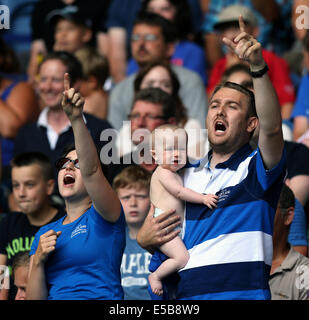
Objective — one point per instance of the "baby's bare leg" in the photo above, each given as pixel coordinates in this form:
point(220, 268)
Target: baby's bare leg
point(178, 258)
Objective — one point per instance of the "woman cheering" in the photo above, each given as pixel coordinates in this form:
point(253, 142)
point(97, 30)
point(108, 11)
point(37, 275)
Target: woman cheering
point(79, 256)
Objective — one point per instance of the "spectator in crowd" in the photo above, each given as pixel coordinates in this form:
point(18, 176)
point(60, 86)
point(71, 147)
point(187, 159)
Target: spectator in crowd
point(53, 132)
point(18, 104)
point(33, 184)
point(187, 53)
point(94, 226)
point(95, 73)
point(278, 67)
point(289, 275)
point(72, 29)
point(20, 269)
point(43, 32)
point(220, 241)
point(300, 114)
point(151, 108)
point(120, 21)
point(152, 40)
point(273, 18)
point(160, 74)
point(132, 187)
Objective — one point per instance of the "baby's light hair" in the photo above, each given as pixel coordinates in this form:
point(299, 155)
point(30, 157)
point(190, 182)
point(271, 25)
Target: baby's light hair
point(165, 129)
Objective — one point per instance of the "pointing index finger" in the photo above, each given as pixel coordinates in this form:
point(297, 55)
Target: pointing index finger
point(66, 81)
point(241, 23)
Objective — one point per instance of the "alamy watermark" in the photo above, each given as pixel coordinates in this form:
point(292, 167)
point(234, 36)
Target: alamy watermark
point(302, 280)
point(4, 17)
point(302, 21)
point(4, 277)
point(141, 152)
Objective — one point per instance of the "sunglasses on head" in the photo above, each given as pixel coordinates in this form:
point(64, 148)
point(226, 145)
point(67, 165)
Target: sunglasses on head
point(62, 163)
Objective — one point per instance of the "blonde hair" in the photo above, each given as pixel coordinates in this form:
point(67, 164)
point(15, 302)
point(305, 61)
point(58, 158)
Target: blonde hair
point(162, 129)
point(134, 177)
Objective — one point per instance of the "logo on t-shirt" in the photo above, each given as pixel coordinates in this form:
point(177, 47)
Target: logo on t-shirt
point(224, 194)
point(79, 229)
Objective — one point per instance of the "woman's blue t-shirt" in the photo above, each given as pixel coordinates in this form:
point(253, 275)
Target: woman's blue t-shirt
point(86, 261)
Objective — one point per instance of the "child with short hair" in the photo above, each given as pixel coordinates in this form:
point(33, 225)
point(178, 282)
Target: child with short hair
point(132, 187)
point(31, 207)
point(20, 270)
point(95, 73)
point(169, 149)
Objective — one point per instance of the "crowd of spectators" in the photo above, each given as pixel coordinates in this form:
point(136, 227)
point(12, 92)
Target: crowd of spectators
point(139, 64)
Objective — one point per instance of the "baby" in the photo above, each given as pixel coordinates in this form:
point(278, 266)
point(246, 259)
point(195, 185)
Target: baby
point(169, 150)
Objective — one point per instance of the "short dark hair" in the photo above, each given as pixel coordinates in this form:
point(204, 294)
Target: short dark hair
point(158, 96)
point(242, 89)
point(67, 149)
point(30, 158)
point(168, 29)
point(236, 68)
point(239, 67)
point(74, 67)
point(287, 198)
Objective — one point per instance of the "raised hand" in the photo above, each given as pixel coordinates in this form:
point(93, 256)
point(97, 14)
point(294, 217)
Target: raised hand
point(72, 101)
point(46, 245)
point(246, 47)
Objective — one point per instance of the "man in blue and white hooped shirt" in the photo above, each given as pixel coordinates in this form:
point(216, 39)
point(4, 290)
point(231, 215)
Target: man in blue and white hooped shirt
point(231, 246)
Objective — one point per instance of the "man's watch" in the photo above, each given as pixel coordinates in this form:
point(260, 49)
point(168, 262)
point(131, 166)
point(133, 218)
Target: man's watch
point(260, 73)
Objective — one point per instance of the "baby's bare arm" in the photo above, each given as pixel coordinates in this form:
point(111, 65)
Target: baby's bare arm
point(210, 200)
point(170, 181)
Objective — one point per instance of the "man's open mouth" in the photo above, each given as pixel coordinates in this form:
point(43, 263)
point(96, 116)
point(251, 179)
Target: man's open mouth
point(220, 126)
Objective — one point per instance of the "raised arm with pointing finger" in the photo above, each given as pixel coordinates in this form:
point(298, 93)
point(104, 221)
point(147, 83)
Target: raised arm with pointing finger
point(101, 193)
point(267, 105)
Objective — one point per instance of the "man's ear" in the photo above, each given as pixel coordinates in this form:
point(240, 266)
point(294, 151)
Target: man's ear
point(170, 49)
point(253, 123)
point(50, 186)
point(87, 35)
point(289, 215)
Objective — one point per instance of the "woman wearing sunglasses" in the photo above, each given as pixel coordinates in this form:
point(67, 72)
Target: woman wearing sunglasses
point(79, 256)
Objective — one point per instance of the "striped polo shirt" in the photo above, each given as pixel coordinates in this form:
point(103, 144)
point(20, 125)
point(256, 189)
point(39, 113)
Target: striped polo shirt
point(231, 246)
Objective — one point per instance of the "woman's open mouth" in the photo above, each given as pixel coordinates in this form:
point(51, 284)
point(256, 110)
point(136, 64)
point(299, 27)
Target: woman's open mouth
point(68, 180)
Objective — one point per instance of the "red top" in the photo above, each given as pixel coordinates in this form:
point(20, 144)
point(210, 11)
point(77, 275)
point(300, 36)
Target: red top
point(278, 74)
